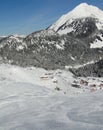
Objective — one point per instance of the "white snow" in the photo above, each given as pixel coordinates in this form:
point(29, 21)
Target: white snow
point(72, 58)
point(20, 47)
point(99, 25)
point(97, 43)
point(29, 101)
point(80, 65)
point(81, 11)
point(59, 47)
point(65, 31)
point(39, 77)
point(15, 38)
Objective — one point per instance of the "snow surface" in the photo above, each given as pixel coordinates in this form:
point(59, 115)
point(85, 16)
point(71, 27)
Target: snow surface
point(15, 37)
point(29, 101)
point(97, 43)
point(20, 47)
point(80, 65)
point(81, 11)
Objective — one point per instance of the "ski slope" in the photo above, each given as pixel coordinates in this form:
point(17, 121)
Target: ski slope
point(29, 101)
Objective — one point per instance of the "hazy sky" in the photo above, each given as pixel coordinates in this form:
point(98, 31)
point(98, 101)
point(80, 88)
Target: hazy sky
point(27, 16)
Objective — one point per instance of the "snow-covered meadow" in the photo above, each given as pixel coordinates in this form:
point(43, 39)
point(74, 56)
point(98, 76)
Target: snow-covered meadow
point(37, 99)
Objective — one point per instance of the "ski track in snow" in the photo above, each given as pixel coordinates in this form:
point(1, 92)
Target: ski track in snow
point(28, 104)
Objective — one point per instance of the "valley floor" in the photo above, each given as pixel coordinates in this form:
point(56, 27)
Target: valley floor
point(36, 99)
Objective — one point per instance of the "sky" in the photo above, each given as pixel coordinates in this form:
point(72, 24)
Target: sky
point(26, 16)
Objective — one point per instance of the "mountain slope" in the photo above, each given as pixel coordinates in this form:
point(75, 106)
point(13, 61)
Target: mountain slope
point(84, 21)
point(51, 50)
point(93, 70)
point(81, 11)
point(47, 49)
point(28, 102)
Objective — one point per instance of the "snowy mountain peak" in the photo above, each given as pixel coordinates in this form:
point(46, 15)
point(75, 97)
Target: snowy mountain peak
point(81, 11)
point(84, 6)
point(85, 10)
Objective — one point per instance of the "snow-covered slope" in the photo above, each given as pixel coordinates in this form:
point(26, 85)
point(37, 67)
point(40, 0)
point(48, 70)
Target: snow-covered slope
point(11, 40)
point(81, 11)
point(98, 42)
point(84, 21)
point(50, 80)
point(30, 100)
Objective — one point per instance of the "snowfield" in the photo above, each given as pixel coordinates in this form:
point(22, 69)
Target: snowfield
point(37, 99)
